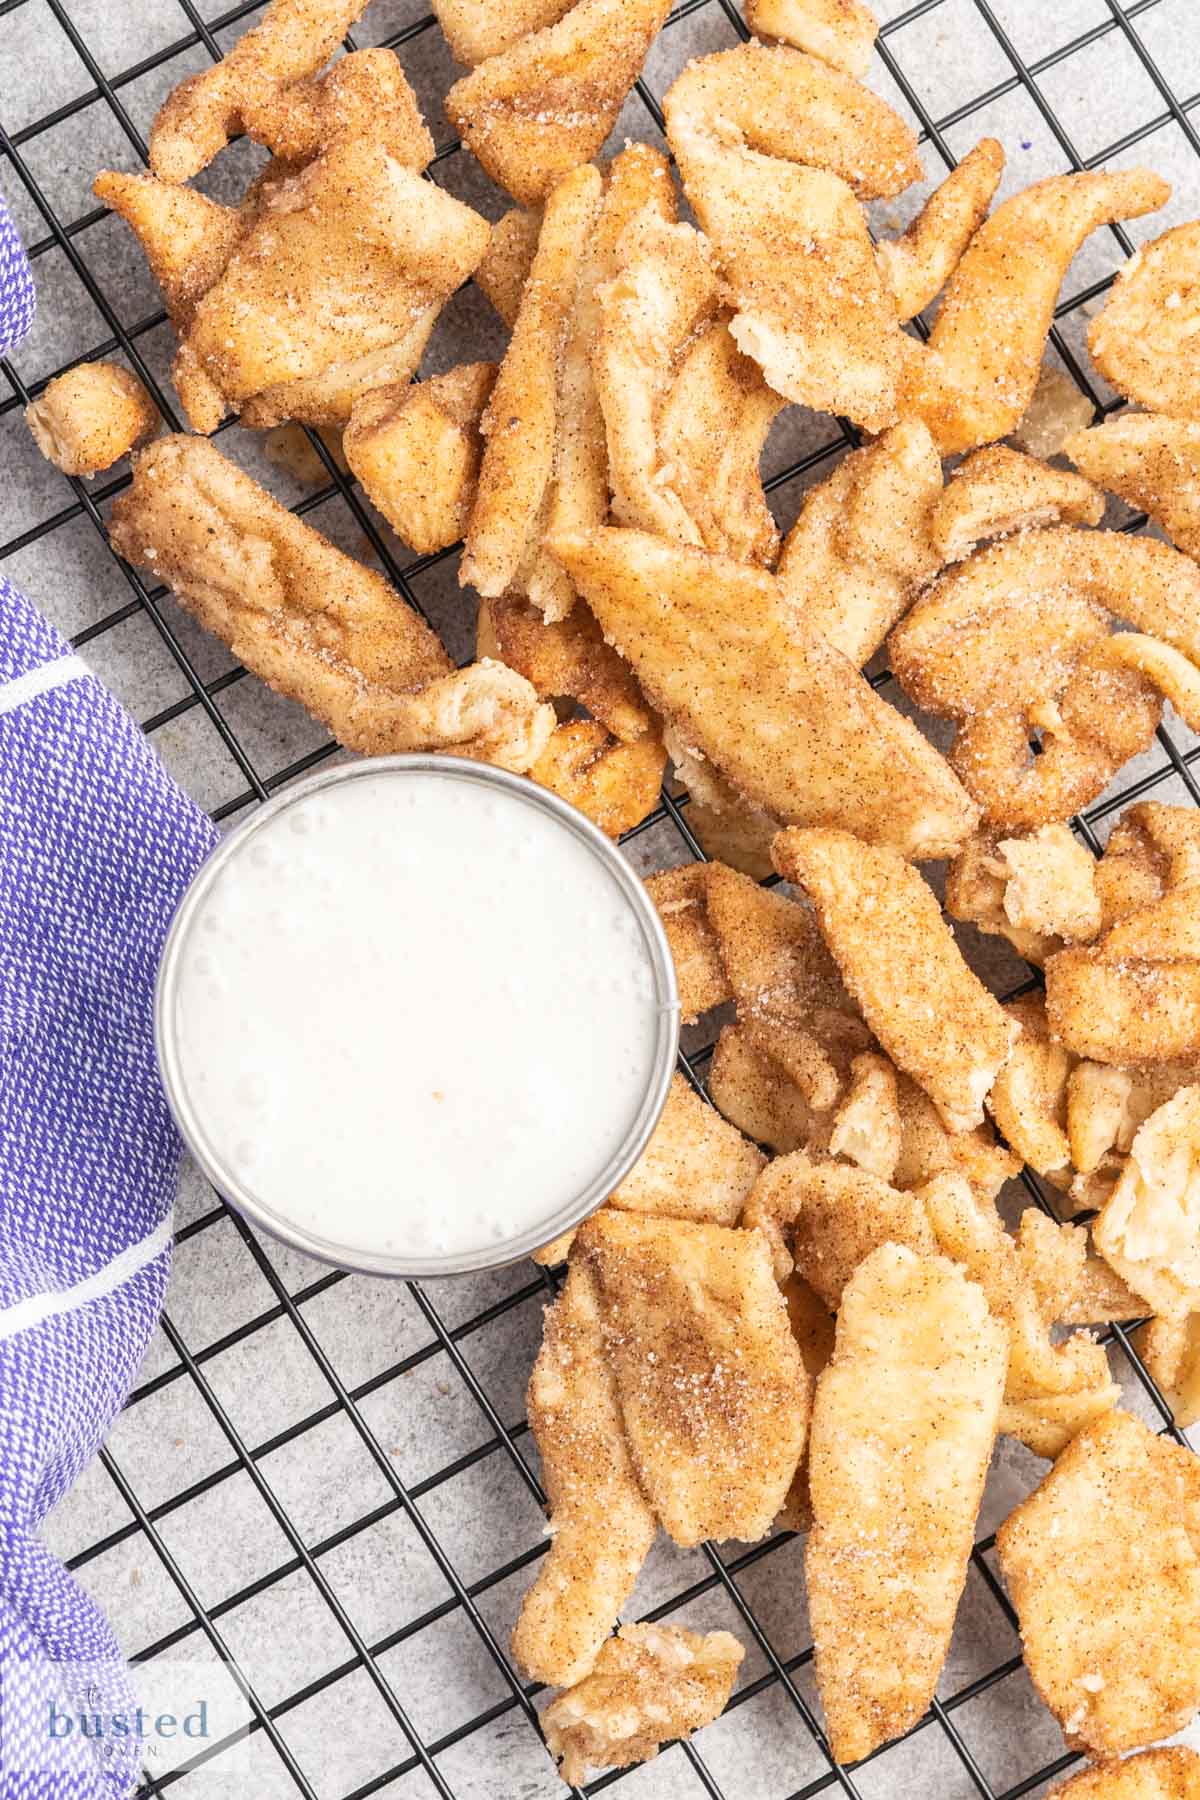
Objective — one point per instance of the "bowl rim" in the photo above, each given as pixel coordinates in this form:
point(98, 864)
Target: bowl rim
point(402, 1266)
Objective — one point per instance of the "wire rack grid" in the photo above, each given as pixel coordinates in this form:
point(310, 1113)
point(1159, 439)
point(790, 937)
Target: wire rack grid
point(1017, 61)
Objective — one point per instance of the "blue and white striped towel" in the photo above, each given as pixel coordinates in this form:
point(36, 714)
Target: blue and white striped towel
point(96, 846)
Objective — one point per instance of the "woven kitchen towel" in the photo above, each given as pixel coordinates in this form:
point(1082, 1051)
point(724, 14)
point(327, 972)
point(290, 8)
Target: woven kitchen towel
point(96, 846)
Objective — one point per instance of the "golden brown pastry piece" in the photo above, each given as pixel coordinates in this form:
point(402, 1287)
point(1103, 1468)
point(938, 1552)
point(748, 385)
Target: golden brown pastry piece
point(508, 259)
point(1147, 339)
point(1133, 996)
point(751, 1090)
point(1149, 1227)
point(650, 1684)
point(477, 29)
point(1072, 1284)
point(824, 1218)
point(712, 1390)
point(545, 467)
point(311, 622)
point(616, 784)
point(884, 928)
point(416, 448)
point(1019, 638)
point(696, 1166)
point(841, 32)
point(917, 266)
point(686, 414)
point(1102, 1568)
point(972, 382)
point(813, 1328)
point(997, 491)
point(1170, 1351)
point(545, 103)
point(734, 940)
point(1038, 891)
point(1151, 461)
point(566, 659)
point(289, 43)
point(365, 94)
point(1028, 1099)
point(681, 899)
point(1154, 1775)
point(1052, 1389)
point(904, 1420)
point(775, 148)
point(601, 1525)
point(89, 418)
point(1073, 1121)
point(789, 995)
point(785, 719)
point(187, 239)
point(333, 290)
point(856, 556)
point(1058, 408)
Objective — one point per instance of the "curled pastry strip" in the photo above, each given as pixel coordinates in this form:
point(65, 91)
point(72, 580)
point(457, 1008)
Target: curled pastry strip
point(777, 104)
point(853, 561)
point(789, 995)
point(1016, 639)
point(1052, 1389)
point(317, 626)
point(751, 1090)
point(681, 899)
point(885, 932)
point(972, 382)
point(1147, 339)
point(841, 32)
point(416, 448)
point(290, 42)
point(997, 491)
point(602, 1525)
point(1028, 1099)
point(567, 659)
point(1133, 996)
point(917, 266)
point(1151, 461)
point(545, 466)
point(773, 146)
point(783, 717)
point(686, 415)
point(545, 103)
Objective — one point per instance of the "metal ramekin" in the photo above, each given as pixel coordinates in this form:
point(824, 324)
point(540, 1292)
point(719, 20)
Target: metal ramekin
point(573, 1210)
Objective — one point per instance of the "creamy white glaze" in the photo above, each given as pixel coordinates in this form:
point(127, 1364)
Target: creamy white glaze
point(415, 1015)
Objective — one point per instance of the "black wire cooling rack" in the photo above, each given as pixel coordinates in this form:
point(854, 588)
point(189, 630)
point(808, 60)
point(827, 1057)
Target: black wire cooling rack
point(204, 1623)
